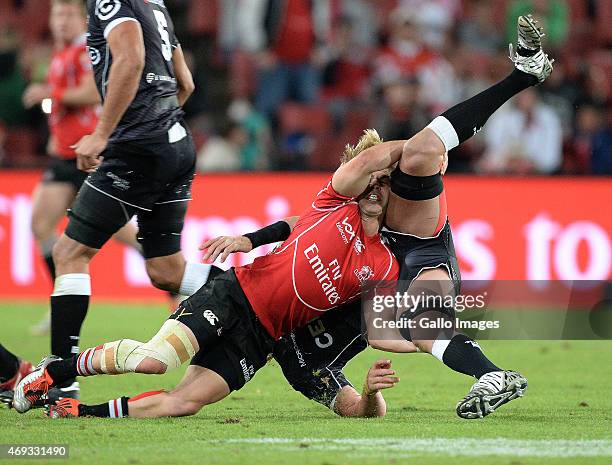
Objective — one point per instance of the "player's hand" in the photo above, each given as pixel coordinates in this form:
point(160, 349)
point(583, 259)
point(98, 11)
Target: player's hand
point(88, 151)
point(380, 376)
point(35, 94)
point(225, 245)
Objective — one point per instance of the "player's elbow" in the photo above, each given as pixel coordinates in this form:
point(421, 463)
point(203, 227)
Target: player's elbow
point(188, 86)
point(185, 90)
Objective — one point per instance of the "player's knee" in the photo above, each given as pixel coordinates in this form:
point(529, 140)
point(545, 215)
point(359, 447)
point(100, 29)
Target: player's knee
point(188, 408)
point(67, 251)
point(422, 155)
point(41, 229)
point(163, 278)
point(151, 366)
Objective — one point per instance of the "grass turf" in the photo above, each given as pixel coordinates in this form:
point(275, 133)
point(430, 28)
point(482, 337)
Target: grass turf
point(564, 418)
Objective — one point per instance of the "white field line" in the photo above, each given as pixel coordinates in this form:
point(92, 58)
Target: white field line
point(442, 446)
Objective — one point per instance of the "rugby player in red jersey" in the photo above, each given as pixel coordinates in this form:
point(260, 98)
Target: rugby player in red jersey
point(232, 322)
point(423, 153)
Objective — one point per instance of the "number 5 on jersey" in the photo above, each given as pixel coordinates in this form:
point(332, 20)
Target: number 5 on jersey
point(162, 24)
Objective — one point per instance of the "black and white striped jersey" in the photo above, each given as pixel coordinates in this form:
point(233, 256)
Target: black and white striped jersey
point(155, 108)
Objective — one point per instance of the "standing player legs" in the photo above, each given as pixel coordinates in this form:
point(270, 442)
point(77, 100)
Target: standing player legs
point(70, 298)
point(49, 203)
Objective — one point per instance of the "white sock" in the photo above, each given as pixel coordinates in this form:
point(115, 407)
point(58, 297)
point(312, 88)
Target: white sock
point(196, 275)
point(439, 347)
point(445, 131)
point(72, 284)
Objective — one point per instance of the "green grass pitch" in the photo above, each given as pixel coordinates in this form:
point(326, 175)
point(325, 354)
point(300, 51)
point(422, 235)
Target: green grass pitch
point(565, 417)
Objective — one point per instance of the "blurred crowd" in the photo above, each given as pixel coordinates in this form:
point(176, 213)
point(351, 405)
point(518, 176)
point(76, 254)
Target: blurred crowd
point(285, 84)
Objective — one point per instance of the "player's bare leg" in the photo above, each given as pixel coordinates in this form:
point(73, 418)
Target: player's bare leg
point(128, 236)
point(198, 388)
point(49, 203)
point(173, 345)
point(420, 197)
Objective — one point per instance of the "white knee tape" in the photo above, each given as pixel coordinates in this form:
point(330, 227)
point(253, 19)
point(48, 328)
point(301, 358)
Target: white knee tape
point(115, 354)
point(170, 346)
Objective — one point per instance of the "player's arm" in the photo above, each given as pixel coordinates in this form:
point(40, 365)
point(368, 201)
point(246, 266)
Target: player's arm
point(127, 49)
point(184, 79)
point(370, 403)
point(396, 345)
point(225, 245)
point(353, 177)
point(84, 95)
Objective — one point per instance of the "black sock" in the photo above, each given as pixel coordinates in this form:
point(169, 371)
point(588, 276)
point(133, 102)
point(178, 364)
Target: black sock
point(9, 364)
point(464, 355)
point(67, 316)
point(117, 408)
point(467, 118)
point(63, 371)
point(50, 266)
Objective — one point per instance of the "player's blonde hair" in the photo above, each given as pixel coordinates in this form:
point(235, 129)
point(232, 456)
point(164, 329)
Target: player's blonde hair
point(370, 138)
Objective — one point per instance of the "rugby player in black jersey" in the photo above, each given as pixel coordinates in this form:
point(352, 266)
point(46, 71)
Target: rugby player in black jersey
point(140, 159)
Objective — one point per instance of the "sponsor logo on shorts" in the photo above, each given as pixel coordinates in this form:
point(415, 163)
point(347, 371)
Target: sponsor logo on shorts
point(247, 370)
point(298, 352)
point(106, 9)
point(211, 317)
point(118, 183)
point(364, 273)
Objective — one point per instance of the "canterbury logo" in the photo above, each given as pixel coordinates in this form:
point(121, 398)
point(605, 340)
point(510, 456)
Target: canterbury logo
point(211, 317)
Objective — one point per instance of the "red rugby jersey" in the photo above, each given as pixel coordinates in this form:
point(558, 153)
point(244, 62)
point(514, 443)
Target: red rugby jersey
point(319, 267)
point(68, 124)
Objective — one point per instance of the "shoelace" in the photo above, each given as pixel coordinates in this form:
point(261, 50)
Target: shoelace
point(491, 383)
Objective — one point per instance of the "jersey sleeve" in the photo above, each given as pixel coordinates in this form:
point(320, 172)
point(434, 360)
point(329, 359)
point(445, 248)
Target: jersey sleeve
point(108, 14)
point(328, 198)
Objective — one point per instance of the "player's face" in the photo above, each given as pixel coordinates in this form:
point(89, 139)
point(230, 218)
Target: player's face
point(66, 22)
point(374, 200)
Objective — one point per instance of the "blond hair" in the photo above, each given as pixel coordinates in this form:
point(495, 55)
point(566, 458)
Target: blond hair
point(370, 138)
